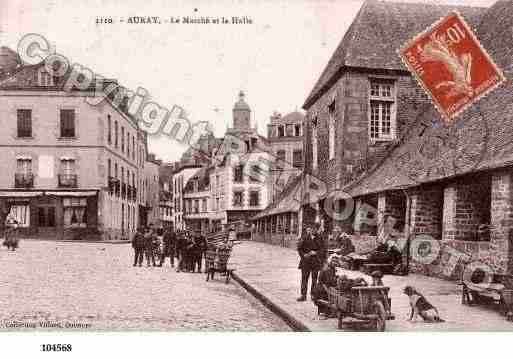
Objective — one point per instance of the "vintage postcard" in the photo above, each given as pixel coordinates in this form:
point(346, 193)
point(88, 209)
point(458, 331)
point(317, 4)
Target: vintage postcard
point(255, 166)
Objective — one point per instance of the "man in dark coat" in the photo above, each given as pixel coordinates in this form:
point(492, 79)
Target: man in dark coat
point(169, 247)
point(200, 246)
point(138, 243)
point(312, 253)
point(149, 247)
point(181, 244)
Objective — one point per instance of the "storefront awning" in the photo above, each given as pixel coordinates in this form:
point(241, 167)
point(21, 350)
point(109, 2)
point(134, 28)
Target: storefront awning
point(19, 194)
point(71, 194)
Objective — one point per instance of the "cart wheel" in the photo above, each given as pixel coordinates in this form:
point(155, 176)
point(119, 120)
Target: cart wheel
point(340, 324)
point(227, 277)
point(379, 310)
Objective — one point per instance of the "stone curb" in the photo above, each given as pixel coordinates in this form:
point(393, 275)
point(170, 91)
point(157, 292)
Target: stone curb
point(296, 324)
point(74, 241)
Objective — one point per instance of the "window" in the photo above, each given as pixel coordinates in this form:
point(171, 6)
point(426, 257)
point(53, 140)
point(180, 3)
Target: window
point(280, 158)
point(204, 205)
point(382, 114)
point(68, 166)
point(332, 118)
point(238, 197)
point(46, 216)
point(109, 167)
point(122, 139)
point(254, 198)
point(297, 158)
point(115, 170)
point(196, 206)
point(314, 143)
point(128, 144)
point(24, 123)
point(109, 130)
point(254, 176)
point(116, 134)
point(75, 212)
point(133, 147)
point(45, 79)
point(281, 132)
point(67, 176)
point(217, 181)
point(289, 129)
point(24, 166)
point(21, 213)
point(238, 173)
point(67, 123)
point(217, 204)
point(297, 130)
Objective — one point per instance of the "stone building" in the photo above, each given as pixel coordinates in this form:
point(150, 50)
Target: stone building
point(69, 169)
point(372, 133)
point(278, 223)
point(285, 136)
point(197, 204)
point(152, 189)
point(240, 171)
point(180, 178)
point(166, 203)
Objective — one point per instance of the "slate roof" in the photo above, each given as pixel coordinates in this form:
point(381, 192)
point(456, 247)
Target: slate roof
point(203, 175)
point(482, 139)
point(379, 29)
point(9, 61)
point(287, 201)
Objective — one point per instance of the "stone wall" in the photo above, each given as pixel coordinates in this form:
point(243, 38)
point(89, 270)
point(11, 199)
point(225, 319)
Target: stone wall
point(466, 206)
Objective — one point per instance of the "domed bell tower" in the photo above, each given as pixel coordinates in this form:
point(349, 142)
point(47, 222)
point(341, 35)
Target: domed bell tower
point(241, 114)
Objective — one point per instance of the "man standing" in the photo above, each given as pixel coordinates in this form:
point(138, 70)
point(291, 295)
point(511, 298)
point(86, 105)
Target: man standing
point(148, 247)
point(201, 249)
point(138, 243)
point(312, 251)
point(169, 247)
point(181, 243)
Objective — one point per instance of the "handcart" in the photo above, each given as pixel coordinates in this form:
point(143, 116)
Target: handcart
point(368, 304)
point(216, 261)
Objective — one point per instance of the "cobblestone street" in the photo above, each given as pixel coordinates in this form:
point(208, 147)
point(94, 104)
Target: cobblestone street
point(94, 284)
point(273, 271)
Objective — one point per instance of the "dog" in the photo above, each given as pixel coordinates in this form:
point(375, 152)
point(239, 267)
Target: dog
point(420, 306)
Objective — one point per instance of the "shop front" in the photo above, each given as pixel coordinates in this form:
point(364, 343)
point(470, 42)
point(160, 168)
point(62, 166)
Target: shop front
point(54, 214)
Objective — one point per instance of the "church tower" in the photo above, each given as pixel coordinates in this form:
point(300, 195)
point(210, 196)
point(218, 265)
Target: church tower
point(241, 114)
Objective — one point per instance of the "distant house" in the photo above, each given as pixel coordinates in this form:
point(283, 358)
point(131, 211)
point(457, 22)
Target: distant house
point(372, 133)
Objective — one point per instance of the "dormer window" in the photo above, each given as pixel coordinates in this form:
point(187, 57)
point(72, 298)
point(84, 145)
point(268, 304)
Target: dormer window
point(382, 114)
point(45, 79)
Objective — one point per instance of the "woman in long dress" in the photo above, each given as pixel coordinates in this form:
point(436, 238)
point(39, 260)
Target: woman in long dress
point(11, 238)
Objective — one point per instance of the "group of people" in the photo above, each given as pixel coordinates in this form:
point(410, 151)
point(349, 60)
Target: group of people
point(320, 270)
point(313, 254)
point(156, 244)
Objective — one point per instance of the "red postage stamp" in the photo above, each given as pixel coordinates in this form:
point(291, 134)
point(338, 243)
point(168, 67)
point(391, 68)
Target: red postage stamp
point(452, 66)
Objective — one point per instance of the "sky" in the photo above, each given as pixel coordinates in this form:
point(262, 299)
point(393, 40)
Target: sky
point(276, 60)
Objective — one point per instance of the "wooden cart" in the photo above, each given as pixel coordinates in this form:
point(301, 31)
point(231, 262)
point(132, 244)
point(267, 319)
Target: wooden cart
point(368, 304)
point(216, 261)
